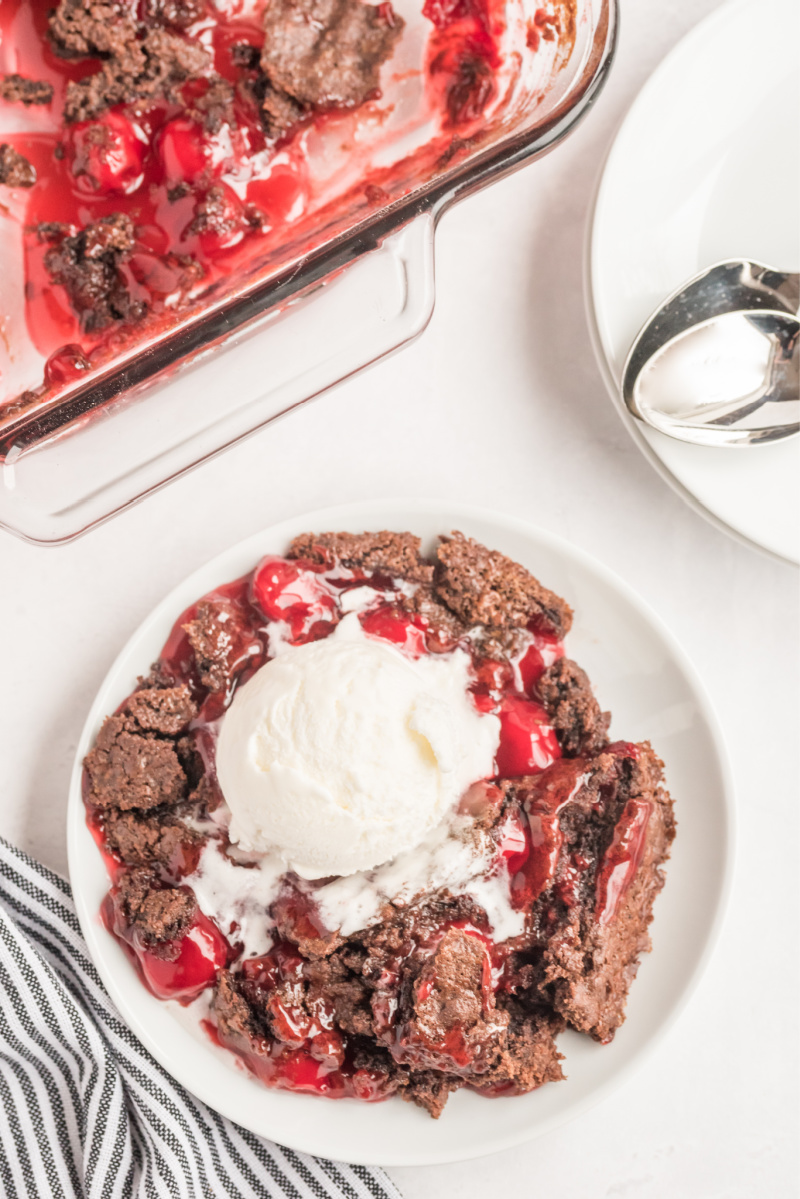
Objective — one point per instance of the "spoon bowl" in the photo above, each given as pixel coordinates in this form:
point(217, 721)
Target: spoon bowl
point(717, 364)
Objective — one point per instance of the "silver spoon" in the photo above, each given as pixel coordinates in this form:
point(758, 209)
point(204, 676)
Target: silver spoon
point(718, 363)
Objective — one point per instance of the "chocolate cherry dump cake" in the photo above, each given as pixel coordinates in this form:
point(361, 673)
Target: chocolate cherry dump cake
point(363, 819)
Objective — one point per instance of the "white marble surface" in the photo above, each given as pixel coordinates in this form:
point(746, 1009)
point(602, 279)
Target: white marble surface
point(499, 403)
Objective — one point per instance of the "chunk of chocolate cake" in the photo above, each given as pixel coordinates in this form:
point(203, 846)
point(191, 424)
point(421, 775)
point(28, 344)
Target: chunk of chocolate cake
point(430, 1090)
point(139, 60)
point(214, 215)
point(239, 1027)
point(448, 1018)
point(149, 67)
point(166, 710)
point(528, 1055)
point(156, 913)
point(390, 553)
point(323, 54)
point(223, 644)
point(279, 112)
point(15, 89)
point(87, 264)
point(80, 28)
point(127, 770)
point(484, 587)
point(568, 697)
point(178, 13)
point(15, 169)
point(159, 838)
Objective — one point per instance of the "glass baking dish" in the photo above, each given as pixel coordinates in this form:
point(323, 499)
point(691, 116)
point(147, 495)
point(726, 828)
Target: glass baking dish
point(353, 282)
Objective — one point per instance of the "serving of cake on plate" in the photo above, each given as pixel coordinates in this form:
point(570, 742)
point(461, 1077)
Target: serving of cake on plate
point(364, 820)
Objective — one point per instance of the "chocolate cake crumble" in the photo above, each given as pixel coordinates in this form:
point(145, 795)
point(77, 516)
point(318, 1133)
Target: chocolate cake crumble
point(139, 60)
point(15, 89)
point(363, 985)
point(15, 169)
point(87, 264)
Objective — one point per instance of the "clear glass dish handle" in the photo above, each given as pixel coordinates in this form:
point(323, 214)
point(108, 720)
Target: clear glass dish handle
point(56, 488)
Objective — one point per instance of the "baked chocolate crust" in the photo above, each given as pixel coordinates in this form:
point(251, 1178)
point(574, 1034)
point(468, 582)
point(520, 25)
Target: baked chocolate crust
point(128, 771)
point(166, 710)
point(396, 554)
point(483, 587)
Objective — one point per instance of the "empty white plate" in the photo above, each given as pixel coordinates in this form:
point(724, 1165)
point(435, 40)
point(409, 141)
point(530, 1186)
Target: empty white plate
point(706, 166)
point(644, 677)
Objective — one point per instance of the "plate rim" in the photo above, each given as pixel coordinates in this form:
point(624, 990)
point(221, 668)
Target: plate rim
point(370, 511)
point(717, 15)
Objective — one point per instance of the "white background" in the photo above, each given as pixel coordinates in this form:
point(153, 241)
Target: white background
point(499, 403)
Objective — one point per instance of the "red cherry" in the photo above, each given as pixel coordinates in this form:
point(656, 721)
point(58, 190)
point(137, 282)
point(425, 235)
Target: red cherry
point(108, 154)
point(220, 221)
point(491, 677)
point(202, 954)
point(514, 840)
point(327, 1047)
point(546, 640)
point(298, 1071)
point(444, 12)
point(262, 972)
point(371, 1086)
point(623, 749)
point(292, 592)
point(183, 151)
point(536, 868)
point(389, 624)
point(188, 152)
point(528, 743)
point(543, 800)
point(622, 858)
point(531, 668)
point(66, 365)
point(290, 1024)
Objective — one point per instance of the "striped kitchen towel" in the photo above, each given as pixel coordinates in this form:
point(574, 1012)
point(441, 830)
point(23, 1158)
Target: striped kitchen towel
point(85, 1111)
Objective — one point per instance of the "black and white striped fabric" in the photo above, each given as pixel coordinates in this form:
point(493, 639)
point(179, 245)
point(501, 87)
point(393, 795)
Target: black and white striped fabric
point(85, 1111)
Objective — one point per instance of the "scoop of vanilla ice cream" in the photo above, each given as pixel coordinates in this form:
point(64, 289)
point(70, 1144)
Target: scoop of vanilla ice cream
point(342, 753)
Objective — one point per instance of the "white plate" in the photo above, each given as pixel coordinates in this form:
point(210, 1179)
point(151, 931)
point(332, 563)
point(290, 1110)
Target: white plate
point(643, 676)
point(706, 166)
